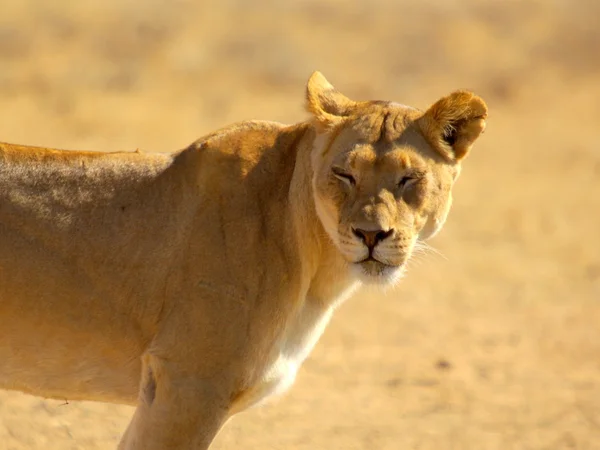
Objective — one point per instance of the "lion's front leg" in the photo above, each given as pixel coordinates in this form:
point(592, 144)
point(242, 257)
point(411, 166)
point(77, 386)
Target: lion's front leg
point(176, 410)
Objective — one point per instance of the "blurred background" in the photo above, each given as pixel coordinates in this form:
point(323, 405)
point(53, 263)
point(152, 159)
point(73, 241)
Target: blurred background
point(494, 343)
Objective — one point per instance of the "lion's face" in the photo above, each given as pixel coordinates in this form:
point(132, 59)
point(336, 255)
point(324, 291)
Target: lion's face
point(377, 199)
point(383, 174)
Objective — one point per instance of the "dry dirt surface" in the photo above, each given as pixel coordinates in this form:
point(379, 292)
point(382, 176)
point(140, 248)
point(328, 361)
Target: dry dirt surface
point(492, 345)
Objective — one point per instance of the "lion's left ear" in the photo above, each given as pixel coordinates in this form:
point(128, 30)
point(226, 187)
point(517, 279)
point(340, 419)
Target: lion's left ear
point(326, 103)
point(453, 124)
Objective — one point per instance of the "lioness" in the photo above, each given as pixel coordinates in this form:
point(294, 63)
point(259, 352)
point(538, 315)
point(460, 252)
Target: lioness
point(194, 284)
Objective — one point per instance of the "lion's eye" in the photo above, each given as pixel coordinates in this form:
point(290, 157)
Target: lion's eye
point(345, 177)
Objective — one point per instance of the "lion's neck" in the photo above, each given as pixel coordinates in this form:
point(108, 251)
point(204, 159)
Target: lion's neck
point(327, 274)
point(324, 283)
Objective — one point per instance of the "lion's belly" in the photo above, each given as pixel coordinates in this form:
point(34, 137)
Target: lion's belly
point(62, 336)
point(58, 366)
point(68, 353)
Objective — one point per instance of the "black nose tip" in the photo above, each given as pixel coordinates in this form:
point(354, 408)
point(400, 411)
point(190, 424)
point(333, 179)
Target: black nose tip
point(372, 237)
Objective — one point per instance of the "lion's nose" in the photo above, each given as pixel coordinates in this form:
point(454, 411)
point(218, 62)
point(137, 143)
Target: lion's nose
point(372, 237)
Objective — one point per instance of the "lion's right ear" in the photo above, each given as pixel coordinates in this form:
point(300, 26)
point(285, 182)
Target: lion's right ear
point(326, 103)
point(453, 123)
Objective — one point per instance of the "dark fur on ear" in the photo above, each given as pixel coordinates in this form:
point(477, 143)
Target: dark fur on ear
point(453, 123)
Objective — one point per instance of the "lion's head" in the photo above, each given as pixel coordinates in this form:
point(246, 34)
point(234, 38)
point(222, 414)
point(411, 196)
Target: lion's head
point(383, 172)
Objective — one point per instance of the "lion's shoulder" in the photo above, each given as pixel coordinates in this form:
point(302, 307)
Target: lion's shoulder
point(244, 146)
point(263, 128)
point(243, 139)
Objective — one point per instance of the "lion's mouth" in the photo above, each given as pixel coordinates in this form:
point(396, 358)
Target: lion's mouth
point(374, 267)
point(372, 271)
point(368, 259)
point(373, 261)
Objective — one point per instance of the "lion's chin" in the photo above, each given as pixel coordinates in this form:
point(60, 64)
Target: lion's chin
point(376, 273)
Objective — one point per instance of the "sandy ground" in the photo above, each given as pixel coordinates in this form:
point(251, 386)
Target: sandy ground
point(495, 345)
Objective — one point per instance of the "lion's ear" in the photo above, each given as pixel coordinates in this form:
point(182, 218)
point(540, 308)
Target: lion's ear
point(326, 104)
point(453, 123)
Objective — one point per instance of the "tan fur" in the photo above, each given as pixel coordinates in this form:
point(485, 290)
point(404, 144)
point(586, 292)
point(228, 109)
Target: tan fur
point(194, 284)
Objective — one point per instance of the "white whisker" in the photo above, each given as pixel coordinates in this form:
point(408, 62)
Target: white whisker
point(424, 248)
